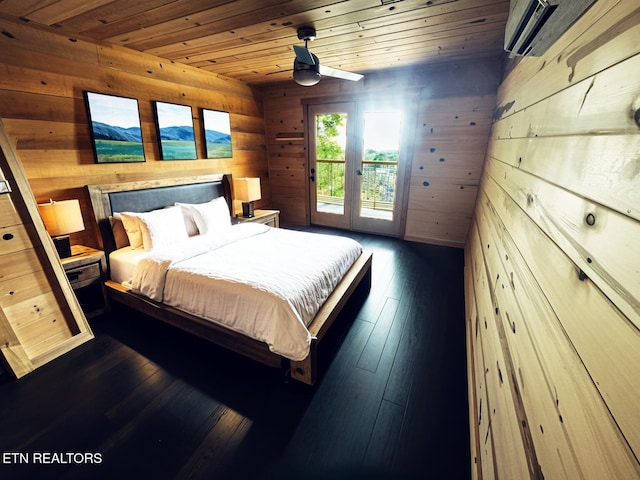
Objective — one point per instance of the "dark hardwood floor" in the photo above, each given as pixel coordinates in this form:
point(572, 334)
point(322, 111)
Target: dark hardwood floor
point(149, 401)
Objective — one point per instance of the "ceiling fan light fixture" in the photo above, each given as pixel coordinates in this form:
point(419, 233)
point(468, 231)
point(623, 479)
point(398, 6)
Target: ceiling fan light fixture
point(304, 74)
point(306, 78)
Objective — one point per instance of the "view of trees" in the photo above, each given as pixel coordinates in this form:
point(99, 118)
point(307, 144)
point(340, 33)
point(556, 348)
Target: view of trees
point(331, 127)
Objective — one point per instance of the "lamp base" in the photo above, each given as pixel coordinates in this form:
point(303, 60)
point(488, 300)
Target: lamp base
point(63, 246)
point(247, 209)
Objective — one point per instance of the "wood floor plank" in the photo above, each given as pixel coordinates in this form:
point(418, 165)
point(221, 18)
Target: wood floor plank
point(370, 356)
point(384, 438)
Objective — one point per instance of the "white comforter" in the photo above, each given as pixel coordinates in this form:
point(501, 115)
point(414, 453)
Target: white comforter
point(267, 283)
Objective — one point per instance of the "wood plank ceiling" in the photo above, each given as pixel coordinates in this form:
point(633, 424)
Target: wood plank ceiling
point(252, 40)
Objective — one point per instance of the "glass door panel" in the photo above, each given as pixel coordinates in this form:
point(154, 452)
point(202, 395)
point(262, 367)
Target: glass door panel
point(330, 152)
point(381, 147)
point(330, 160)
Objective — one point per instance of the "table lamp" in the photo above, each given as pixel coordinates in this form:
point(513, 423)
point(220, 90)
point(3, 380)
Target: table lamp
point(61, 219)
point(247, 190)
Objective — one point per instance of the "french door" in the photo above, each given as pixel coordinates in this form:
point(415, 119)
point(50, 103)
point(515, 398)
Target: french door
point(356, 166)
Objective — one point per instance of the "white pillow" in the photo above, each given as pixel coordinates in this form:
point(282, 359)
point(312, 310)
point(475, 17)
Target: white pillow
point(211, 217)
point(189, 220)
point(131, 225)
point(162, 228)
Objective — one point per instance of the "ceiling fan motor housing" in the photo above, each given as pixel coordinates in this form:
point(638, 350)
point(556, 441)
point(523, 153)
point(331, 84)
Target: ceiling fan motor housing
point(306, 33)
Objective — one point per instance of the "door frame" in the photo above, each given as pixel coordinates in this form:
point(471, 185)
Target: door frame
point(343, 221)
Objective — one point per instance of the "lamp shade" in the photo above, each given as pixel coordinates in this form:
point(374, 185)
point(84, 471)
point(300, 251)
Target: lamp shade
point(247, 189)
point(61, 218)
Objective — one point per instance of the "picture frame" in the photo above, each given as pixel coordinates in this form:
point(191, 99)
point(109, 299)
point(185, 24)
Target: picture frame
point(114, 123)
point(217, 133)
point(176, 134)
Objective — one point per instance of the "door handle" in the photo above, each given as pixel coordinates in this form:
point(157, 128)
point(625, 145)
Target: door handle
point(312, 177)
point(358, 172)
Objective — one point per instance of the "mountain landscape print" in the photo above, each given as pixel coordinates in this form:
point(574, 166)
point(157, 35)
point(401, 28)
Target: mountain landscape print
point(175, 130)
point(217, 133)
point(115, 128)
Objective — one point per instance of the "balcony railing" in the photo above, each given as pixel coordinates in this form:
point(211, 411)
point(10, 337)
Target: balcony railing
point(377, 186)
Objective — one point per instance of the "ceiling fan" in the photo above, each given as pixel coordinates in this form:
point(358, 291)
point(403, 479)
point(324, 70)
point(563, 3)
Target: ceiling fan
point(306, 66)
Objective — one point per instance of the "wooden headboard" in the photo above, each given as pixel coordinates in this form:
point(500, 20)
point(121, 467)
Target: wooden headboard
point(144, 196)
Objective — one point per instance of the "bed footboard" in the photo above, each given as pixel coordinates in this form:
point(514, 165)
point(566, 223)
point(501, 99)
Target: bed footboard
point(359, 276)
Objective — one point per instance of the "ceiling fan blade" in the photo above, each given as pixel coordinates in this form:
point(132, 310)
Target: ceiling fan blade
point(334, 72)
point(303, 55)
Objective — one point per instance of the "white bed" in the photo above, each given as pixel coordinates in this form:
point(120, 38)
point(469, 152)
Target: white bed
point(269, 294)
point(264, 282)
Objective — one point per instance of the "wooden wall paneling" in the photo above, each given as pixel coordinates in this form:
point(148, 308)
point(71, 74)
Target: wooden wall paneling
point(485, 432)
point(465, 91)
point(450, 142)
point(440, 228)
point(572, 431)
point(475, 405)
point(604, 103)
point(442, 194)
point(148, 66)
point(439, 210)
point(606, 341)
point(439, 158)
point(45, 113)
point(38, 39)
point(511, 459)
point(599, 167)
point(564, 145)
point(434, 130)
point(288, 170)
point(59, 135)
point(453, 167)
point(482, 455)
point(605, 35)
point(113, 58)
point(605, 251)
point(458, 111)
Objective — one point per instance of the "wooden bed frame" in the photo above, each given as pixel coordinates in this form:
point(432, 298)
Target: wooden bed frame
point(149, 195)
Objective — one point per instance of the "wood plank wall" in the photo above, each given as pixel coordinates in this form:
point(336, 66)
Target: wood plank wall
point(553, 265)
point(41, 102)
point(450, 132)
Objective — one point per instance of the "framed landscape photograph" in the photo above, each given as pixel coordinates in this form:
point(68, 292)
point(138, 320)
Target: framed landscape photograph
point(115, 128)
point(175, 131)
point(217, 133)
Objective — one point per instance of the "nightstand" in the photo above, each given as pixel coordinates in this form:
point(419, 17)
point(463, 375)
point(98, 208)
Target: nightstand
point(268, 217)
point(85, 269)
